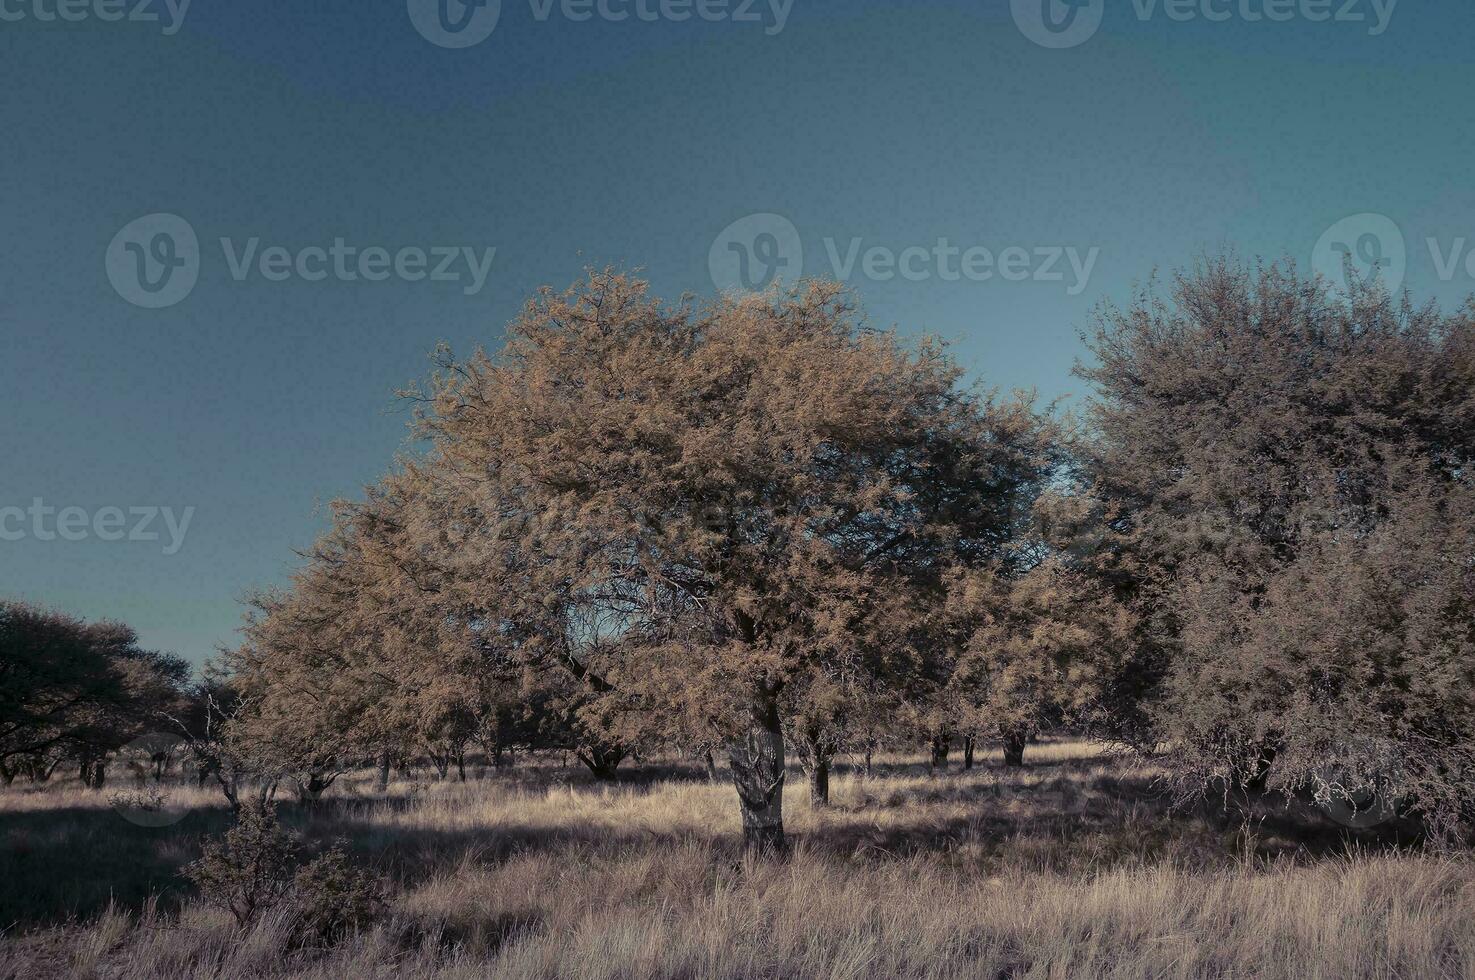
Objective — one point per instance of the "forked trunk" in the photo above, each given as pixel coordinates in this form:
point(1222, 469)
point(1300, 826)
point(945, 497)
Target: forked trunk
point(1260, 769)
point(601, 760)
point(1014, 742)
point(758, 774)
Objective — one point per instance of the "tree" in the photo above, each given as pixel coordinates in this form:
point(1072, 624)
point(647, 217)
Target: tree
point(1040, 650)
point(1287, 483)
point(70, 687)
point(692, 509)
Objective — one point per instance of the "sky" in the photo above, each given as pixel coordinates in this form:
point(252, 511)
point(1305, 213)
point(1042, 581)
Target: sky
point(232, 231)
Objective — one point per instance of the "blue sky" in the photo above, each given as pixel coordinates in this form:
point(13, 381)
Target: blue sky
point(895, 130)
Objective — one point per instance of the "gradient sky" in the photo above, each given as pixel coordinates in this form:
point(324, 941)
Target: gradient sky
point(563, 143)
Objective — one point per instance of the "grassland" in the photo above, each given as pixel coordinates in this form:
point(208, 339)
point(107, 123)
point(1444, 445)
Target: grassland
point(1074, 866)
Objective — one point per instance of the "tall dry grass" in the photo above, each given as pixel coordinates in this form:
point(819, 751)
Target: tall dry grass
point(1073, 867)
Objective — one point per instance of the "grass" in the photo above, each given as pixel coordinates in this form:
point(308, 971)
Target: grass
point(1072, 867)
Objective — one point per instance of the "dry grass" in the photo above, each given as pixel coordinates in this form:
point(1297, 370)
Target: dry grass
point(1070, 868)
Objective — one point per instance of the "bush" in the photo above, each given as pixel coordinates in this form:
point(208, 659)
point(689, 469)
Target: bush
point(257, 864)
point(250, 867)
point(332, 899)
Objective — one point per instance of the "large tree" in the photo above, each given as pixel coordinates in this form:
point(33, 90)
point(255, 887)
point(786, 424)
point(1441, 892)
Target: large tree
point(693, 509)
point(1285, 475)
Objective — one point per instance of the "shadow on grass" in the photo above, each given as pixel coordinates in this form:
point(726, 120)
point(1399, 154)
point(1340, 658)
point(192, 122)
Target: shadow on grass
point(1071, 818)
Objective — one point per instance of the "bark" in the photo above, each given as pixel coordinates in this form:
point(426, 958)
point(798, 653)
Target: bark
point(968, 746)
point(868, 761)
point(601, 760)
point(93, 772)
point(384, 763)
point(461, 766)
point(712, 774)
point(757, 762)
point(1014, 742)
point(937, 761)
point(311, 789)
point(817, 758)
point(819, 783)
point(1260, 772)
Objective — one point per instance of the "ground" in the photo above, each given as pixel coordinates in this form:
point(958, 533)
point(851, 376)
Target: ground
point(1074, 866)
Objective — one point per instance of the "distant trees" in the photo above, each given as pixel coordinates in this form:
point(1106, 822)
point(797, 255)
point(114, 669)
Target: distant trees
point(1287, 485)
point(76, 690)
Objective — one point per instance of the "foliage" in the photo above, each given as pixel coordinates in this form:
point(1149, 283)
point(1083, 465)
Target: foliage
point(1287, 485)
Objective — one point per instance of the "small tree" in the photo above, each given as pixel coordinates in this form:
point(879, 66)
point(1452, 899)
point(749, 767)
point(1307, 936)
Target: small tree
point(250, 868)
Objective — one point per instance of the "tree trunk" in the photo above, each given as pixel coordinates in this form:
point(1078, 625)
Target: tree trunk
point(460, 766)
point(1260, 771)
point(817, 758)
point(712, 774)
point(601, 760)
point(868, 761)
point(819, 783)
point(311, 790)
point(937, 762)
point(384, 762)
point(1014, 742)
point(968, 746)
point(757, 763)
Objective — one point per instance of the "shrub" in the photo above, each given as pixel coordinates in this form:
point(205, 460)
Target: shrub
point(250, 867)
point(333, 899)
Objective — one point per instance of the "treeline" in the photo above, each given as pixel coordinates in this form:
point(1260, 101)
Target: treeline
point(756, 527)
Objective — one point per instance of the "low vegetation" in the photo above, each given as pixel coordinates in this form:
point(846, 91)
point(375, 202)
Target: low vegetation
point(1073, 865)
